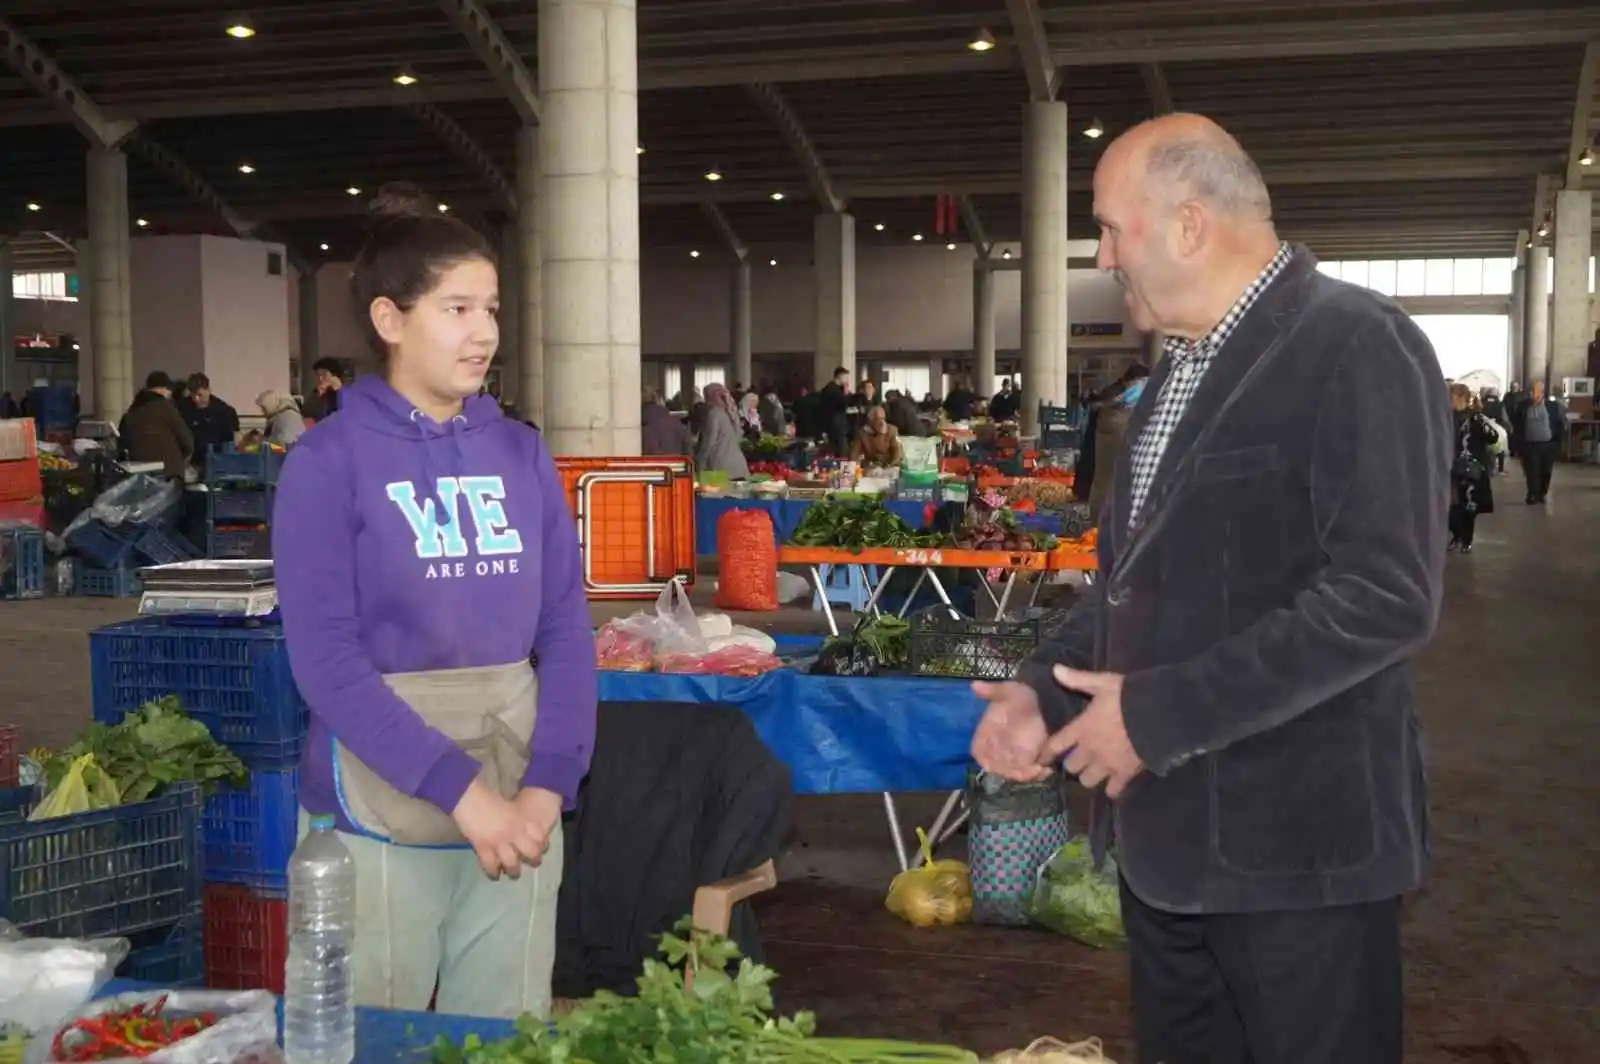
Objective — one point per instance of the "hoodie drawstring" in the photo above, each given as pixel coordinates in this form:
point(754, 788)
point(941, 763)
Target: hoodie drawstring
point(446, 514)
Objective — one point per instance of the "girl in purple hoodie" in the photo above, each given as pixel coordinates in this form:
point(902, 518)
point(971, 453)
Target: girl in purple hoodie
point(429, 577)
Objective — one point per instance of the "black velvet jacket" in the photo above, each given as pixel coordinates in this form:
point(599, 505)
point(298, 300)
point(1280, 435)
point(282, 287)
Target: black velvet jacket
point(1288, 564)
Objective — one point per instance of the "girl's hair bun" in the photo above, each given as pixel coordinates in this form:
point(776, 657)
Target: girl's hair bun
point(400, 201)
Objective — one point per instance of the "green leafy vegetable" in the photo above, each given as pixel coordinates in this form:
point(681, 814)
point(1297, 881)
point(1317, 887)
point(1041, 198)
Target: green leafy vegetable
point(724, 1015)
point(155, 746)
point(1072, 897)
point(856, 524)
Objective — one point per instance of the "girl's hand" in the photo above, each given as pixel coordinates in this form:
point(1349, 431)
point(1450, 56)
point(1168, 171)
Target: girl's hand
point(543, 810)
point(501, 832)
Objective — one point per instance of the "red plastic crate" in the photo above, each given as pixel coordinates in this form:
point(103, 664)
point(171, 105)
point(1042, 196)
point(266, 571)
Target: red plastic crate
point(19, 481)
point(247, 939)
point(8, 755)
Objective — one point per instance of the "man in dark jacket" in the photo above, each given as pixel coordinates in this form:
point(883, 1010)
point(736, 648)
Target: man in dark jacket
point(1237, 681)
point(211, 420)
point(1538, 429)
point(833, 412)
point(330, 379)
point(1006, 404)
point(153, 431)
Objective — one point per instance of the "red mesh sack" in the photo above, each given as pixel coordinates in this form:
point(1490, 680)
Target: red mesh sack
point(747, 561)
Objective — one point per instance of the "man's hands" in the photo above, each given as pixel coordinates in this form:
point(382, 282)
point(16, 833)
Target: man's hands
point(507, 834)
point(1012, 741)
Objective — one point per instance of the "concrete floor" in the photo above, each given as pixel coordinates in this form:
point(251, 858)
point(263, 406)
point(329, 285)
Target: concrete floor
point(1502, 946)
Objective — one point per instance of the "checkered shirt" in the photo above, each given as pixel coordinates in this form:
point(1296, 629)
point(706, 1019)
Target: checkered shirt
point(1189, 364)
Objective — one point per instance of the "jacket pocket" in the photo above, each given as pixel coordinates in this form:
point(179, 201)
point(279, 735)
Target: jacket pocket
point(1298, 798)
point(1239, 464)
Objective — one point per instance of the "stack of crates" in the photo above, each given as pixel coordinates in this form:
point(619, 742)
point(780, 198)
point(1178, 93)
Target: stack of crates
point(130, 872)
point(235, 681)
point(109, 557)
point(240, 487)
point(21, 487)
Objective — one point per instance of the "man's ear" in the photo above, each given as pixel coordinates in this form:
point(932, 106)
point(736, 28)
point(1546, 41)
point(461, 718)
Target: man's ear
point(1194, 229)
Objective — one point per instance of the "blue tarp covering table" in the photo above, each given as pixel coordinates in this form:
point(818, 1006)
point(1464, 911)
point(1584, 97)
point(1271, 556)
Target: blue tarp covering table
point(785, 514)
point(838, 735)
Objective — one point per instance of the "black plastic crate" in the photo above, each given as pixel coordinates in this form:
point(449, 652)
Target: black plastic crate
point(104, 583)
point(172, 957)
point(107, 873)
point(239, 543)
point(942, 645)
point(103, 546)
point(239, 506)
point(230, 466)
point(163, 546)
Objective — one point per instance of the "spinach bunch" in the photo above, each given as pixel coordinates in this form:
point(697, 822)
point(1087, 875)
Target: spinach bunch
point(856, 524)
point(153, 747)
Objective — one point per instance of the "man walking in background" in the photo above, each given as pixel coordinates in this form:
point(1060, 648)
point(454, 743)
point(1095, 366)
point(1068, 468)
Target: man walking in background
point(1236, 687)
point(1537, 430)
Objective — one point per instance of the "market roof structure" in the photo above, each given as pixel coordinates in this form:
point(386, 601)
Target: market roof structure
point(1385, 128)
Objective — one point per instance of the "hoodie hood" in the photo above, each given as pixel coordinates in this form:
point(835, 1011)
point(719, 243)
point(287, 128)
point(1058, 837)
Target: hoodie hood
point(377, 406)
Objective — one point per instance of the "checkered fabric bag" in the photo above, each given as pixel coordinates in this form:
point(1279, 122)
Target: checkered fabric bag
point(1014, 829)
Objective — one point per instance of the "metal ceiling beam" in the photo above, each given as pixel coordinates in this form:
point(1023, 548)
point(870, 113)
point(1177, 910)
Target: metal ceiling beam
point(1155, 84)
point(724, 228)
point(200, 190)
point(498, 54)
point(768, 97)
point(51, 82)
point(1582, 113)
point(467, 148)
point(974, 226)
point(1033, 49)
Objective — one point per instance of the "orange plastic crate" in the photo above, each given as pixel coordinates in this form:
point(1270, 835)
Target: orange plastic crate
point(19, 480)
point(614, 546)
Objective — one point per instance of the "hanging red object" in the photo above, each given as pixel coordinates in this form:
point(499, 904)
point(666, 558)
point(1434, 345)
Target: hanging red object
point(938, 215)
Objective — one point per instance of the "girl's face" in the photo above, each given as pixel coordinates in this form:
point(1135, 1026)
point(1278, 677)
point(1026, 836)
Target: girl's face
point(441, 348)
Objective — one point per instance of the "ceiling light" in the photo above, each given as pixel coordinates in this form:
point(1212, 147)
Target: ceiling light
point(983, 42)
point(777, 196)
point(405, 77)
point(1095, 130)
point(353, 190)
point(639, 150)
point(1006, 254)
point(246, 168)
point(241, 31)
point(916, 236)
point(772, 262)
point(694, 254)
point(1587, 158)
point(444, 208)
point(32, 206)
point(949, 247)
point(878, 227)
point(713, 174)
point(324, 247)
point(140, 222)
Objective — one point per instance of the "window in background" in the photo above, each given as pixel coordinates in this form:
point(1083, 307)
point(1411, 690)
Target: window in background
point(1354, 272)
point(1014, 378)
point(41, 286)
point(716, 373)
point(671, 381)
point(1382, 276)
point(1439, 277)
point(1467, 343)
point(1468, 278)
point(1411, 277)
point(909, 378)
point(1497, 276)
point(1329, 268)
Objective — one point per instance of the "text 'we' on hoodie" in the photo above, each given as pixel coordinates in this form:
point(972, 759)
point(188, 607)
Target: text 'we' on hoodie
point(403, 545)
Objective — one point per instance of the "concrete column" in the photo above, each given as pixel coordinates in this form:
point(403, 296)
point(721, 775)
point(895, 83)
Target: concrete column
point(1536, 352)
point(589, 226)
point(834, 250)
point(310, 346)
point(1570, 323)
point(1045, 323)
point(1516, 342)
point(8, 355)
point(109, 287)
point(528, 352)
point(983, 328)
point(935, 379)
point(508, 357)
point(739, 327)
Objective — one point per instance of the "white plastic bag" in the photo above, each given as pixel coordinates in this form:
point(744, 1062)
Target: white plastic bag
point(673, 628)
point(44, 980)
point(246, 1031)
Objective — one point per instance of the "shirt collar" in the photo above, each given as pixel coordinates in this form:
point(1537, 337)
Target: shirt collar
point(1180, 350)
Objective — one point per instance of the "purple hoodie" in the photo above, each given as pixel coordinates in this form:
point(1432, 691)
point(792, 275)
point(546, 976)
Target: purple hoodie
point(371, 582)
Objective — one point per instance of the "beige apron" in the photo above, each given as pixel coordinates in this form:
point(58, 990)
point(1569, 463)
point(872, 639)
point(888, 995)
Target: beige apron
point(488, 711)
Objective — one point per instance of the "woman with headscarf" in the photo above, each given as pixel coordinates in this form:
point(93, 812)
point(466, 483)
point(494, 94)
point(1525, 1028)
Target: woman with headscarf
point(285, 423)
point(1110, 425)
point(773, 422)
point(750, 415)
point(720, 434)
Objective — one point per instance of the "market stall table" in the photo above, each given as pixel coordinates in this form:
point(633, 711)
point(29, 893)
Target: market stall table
point(786, 515)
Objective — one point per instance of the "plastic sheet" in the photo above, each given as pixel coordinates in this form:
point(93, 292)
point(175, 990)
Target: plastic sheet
point(139, 500)
point(45, 980)
point(837, 735)
point(246, 1031)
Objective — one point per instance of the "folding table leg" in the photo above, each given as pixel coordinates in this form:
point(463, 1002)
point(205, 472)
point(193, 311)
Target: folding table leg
point(822, 593)
point(894, 831)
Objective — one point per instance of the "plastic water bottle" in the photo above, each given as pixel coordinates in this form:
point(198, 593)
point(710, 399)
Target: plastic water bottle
point(319, 1012)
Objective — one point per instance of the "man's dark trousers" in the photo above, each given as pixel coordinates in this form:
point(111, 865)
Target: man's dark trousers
point(1538, 462)
point(1318, 986)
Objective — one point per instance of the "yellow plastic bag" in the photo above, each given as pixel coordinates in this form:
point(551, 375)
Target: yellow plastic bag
point(84, 788)
point(934, 893)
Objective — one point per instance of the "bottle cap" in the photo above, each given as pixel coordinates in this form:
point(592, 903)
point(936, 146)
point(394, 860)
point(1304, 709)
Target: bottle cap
point(322, 822)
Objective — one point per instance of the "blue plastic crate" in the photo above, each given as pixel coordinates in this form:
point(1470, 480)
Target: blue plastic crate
point(239, 543)
point(21, 563)
point(16, 799)
point(235, 681)
point(106, 873)
point(169, 957)
point(240, 506)
point(163, 546)
point(229, 466)
point(250, 833)
point(105, 583)
point(102, 546)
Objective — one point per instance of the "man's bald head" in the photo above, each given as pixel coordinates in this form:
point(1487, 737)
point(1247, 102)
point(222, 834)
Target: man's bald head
point(1189, 157)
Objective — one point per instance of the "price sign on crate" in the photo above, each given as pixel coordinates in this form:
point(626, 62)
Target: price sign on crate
point(922, 556)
